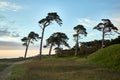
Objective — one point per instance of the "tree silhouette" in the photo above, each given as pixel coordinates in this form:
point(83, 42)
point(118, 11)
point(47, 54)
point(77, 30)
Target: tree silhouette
point(32, 36)
point(46, 22)
point(58, 39)
point(79, 30)
point(50, 42)
point(105, 27)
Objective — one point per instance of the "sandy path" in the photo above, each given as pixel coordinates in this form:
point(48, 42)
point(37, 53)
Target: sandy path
point(6, 72)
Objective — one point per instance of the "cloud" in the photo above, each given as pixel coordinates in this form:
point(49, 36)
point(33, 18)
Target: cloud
point(14, 34)
point(91, 35)
point(116, 22)
point(6, 32)
point(7, 27)
point(6, 22)
point(7, 45)
point(8, 6)
point(91, 23)
point(10, 45)
point(86, 22)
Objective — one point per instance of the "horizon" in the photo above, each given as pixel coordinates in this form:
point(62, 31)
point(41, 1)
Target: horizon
point(19, 17)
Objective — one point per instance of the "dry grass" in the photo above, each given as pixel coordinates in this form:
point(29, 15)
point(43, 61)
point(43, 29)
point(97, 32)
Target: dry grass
point(62, 69)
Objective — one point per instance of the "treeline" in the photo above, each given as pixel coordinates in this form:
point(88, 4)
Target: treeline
point(88, 48)
point(58, 39)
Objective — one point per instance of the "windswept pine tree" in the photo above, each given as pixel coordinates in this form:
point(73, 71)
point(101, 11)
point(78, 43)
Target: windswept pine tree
point(57, 39)
point(32, 36)
point(106, 27)
point(46, 22)
point(80, 29)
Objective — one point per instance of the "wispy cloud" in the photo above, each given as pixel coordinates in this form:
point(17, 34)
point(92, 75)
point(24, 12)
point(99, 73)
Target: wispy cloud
point(6, 32)
point(7, 45)
point(6, 21)
point(86, 22)
point(91, 23)
point(15, 34)
point(7, 28)
point(116, 22)
point(91, 35)
point(10, 45)
point(5, 6)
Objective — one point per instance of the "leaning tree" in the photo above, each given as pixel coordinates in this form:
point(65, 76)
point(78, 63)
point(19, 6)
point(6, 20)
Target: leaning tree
point(46, 22)
point(106, 27)
point(57, 39)
point(80, 29)
point(32, 36)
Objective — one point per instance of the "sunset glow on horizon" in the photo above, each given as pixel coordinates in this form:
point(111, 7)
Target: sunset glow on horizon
point(20, 53)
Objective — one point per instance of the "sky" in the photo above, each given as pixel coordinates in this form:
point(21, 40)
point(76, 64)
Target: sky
point(20, 17)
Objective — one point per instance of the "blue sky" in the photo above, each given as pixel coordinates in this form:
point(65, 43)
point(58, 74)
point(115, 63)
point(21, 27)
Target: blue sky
point(19, 17)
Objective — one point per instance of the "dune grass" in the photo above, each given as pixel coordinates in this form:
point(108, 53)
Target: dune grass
point(3, 66)
point(109, 57)
point(4, 63)
point(61, 69)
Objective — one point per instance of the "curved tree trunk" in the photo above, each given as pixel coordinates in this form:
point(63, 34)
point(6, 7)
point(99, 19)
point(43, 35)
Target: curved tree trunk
point(103, 35)
point(50, 50)
point(41, 42)
point(26, 49)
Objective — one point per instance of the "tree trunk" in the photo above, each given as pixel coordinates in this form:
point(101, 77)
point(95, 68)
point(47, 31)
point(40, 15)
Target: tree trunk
point(41, 42)
point(50, 50)
point(26, 49)
point(76, 50)
point(103, 35)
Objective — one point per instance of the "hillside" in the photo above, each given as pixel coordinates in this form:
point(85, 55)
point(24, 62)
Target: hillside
point(109, 57)
point(61, 69)
point(71, 68)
